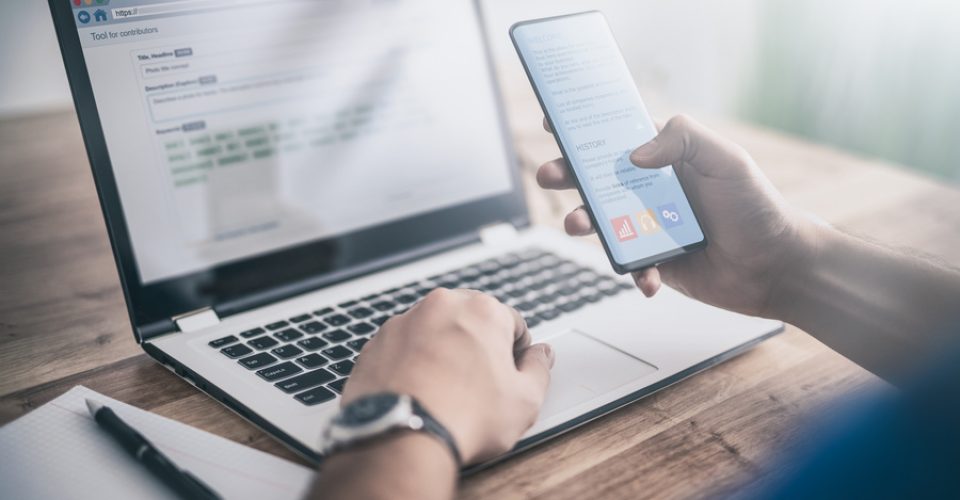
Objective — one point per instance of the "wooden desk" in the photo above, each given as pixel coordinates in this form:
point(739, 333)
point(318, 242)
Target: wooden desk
point(62, 323)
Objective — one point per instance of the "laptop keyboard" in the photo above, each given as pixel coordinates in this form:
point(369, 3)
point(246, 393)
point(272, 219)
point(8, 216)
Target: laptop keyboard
point(310, 355)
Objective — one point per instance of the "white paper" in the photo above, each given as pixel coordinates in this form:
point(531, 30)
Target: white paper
point(58, 451)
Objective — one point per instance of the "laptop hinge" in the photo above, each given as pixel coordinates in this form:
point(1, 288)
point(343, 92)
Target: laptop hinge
point(498, 235)
point(196, 320)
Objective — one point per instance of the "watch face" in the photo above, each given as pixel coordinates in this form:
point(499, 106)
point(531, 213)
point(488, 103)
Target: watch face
point(368, 409)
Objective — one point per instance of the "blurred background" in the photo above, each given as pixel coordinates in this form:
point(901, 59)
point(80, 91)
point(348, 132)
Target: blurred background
point(875, 77)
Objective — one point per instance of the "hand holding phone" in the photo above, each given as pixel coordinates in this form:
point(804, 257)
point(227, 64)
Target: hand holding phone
point(643, 217)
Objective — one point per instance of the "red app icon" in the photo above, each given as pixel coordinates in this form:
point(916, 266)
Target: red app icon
point(623, 228)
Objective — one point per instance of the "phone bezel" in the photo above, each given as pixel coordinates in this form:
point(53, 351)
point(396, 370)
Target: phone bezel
point(619, 268)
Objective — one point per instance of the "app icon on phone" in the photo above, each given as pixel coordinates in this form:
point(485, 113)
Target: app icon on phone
point(669, 215)
point(623, 228)
point(648, 222)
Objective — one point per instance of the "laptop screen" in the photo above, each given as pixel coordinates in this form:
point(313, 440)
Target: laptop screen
point(239, 127)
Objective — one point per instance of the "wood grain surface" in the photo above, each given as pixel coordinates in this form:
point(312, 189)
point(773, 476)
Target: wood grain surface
point(63, 323)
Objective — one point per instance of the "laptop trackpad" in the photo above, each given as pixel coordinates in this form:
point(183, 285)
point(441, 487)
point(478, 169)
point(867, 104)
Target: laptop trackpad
point(586, 368)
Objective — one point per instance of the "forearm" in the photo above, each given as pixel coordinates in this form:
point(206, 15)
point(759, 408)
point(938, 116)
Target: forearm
point(405, 465)
point(882, 309)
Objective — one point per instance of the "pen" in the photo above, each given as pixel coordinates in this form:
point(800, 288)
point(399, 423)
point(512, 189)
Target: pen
point(182, 482)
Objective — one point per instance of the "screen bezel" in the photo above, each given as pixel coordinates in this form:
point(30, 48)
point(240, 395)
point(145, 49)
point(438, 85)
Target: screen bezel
point(247, 283)
point(618, 267)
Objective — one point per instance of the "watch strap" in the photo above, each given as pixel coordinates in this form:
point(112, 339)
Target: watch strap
point(434, 427)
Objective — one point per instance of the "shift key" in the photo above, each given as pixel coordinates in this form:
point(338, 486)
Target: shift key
point(305, 381)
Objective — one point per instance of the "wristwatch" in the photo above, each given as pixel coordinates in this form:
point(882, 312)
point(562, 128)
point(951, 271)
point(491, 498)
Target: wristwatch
point(380, 414)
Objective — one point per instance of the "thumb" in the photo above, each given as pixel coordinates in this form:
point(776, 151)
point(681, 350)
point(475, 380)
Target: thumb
point(669, 147)
point(534, 363)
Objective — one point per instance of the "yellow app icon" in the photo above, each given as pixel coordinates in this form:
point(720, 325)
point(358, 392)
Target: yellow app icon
point(648, 222)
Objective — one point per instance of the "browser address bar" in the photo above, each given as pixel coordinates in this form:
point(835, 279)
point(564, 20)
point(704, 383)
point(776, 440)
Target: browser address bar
point(177, 7)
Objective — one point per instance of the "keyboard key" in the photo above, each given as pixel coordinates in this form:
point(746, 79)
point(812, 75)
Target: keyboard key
point(312, 360)
point(532, 321)
point(526, 306)
point(287, 351)
point(361, 328)
point(277, 325)
point(313, 327)
point(306, 381)
point(301, 318)
point(348, 304)
point(338, 385)
point(493, 286)
point(539, 285)
point(383, 305)
point(357, 344)
point(257, 360)
point(610, 291)
point(253, 332)
point(360, 312)
point(312, 343)
point(548, 314)
point(323, 312)
point(593, 297)
point(288, 335)
point(315, 396)
point(222, 341)
point(337, 335)
point(508, 260)
point(235, 351)
point(343, 367)
point(548, 298)
point(337, 352)
point(337, 320)
point(282, 370)
point(264, 342)
point(517, 292)
point(408, 298)
point(371, 297)
point(380, 320)
point(572, 305)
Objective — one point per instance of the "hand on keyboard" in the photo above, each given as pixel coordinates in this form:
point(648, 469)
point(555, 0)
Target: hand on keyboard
point(467, 358)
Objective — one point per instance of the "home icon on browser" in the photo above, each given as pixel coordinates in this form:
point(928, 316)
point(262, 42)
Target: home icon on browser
point(100, 15)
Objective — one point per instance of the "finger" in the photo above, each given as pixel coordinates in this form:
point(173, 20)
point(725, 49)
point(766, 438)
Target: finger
point(546, 125)
point(683, 140)
point(555, 175)
point(534, 364)
point(521, 334)
point(577, 223)
point(648, 281)
point(669, 147)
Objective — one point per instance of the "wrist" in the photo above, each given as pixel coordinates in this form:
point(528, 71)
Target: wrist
point(797, 273)
point(401, 443)
point(402, 464)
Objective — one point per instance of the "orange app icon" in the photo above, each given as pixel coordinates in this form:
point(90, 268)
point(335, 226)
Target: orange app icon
point(648, 222)
point(623, 227)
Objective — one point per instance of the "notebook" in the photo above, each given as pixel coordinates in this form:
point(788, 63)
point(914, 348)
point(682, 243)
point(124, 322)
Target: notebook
point(58, 451)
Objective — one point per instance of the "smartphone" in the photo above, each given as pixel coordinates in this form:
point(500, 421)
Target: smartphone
point(586, 91)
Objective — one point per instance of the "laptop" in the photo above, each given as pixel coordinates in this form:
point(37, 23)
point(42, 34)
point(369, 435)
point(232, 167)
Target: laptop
point(279, 178)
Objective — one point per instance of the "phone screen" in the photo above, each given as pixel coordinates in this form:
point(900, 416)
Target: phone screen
point(595, 111)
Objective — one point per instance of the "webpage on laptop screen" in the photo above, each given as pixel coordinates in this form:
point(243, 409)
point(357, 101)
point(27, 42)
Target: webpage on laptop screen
point(237, 128)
